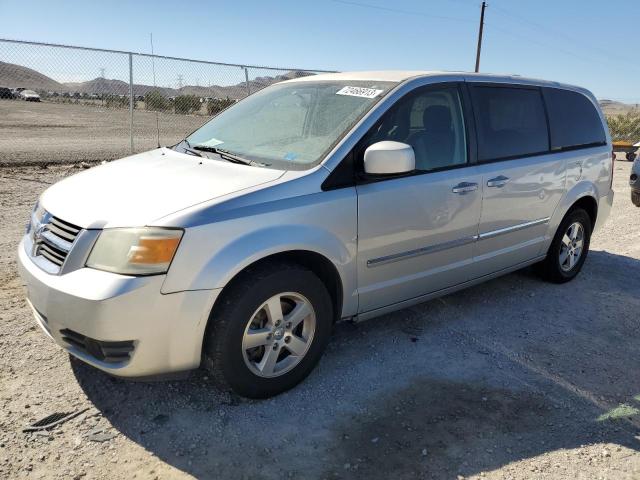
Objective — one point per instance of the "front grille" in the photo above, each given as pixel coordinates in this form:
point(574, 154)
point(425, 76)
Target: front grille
point(53, 240)
point(63, 230)
point(109, 352)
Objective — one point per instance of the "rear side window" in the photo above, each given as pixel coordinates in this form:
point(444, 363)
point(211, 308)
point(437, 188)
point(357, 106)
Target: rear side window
point(511, 122)
point(573, 120)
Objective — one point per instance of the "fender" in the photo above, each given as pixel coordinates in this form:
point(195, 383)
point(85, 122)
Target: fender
point(259, 244)
point(231, 258)
point(584, 188)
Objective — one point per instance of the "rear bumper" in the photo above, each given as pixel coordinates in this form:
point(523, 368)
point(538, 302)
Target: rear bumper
point(634, 183)
point(112, 311)
point(604, 209)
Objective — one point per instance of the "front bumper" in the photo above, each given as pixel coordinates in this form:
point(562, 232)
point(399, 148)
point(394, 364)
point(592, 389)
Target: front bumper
point(165, 330)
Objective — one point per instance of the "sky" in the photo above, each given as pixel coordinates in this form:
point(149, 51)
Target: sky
point(585, 42)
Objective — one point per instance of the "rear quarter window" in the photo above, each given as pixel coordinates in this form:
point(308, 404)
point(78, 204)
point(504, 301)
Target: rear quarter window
point(511, 122)
point(573, 120)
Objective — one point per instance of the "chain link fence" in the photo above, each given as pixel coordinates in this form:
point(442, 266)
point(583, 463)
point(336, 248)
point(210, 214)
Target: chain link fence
point(60, 103)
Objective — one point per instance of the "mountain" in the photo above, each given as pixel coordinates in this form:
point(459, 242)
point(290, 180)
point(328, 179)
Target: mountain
point(13, 76)
point(105, 86)
point(612, 107)
point(239, 90)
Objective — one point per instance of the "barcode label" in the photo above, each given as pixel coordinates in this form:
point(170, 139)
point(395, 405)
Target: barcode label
point(359, 92)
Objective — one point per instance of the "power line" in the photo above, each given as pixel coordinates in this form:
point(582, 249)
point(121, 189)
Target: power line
point(555, 48)
point(540, 26)
point(406, 12)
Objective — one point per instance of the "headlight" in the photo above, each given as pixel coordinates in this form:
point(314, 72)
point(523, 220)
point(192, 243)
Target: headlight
point(135, 251)
point(36, 216)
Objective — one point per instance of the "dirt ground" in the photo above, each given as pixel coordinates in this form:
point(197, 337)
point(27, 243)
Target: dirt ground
point(63, 133)
point(514, 378)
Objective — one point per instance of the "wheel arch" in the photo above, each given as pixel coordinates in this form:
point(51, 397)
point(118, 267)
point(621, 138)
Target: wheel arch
point(319, 264)
point(584, 194)
point(589, 205)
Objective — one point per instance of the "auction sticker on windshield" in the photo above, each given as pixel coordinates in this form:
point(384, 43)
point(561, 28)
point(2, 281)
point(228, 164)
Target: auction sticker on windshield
point(359, 92)
point(214, 142)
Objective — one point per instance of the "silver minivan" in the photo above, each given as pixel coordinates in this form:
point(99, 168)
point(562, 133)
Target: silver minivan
point(328, 197)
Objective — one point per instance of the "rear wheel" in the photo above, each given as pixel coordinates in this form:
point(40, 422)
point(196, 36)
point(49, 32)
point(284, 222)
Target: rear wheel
point(269, 330)
point(569, 248)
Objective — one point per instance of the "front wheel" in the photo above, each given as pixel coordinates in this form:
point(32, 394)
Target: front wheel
point(269, 330)
point(569, 248)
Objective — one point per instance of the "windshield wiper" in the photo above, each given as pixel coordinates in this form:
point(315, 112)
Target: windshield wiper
point(191, 151)
point(188, 149)
point(231, 157)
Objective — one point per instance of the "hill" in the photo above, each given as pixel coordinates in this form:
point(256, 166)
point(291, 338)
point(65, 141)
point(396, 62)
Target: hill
point(13, 76)
point(106, 86)
point(612, 107)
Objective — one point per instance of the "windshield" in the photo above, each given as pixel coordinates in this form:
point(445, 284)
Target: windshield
point(290, 125)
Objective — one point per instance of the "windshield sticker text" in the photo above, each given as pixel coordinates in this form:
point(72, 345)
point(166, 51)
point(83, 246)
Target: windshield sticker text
point(359, 92)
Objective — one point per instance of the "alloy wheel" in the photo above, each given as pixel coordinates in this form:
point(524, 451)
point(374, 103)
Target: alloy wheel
point(571, 246)
point(279, 334)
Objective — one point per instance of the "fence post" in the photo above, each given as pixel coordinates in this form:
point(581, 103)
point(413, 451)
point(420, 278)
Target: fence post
point(246, 80)
point(131, 101)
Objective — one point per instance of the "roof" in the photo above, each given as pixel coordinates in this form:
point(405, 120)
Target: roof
point(402, 75)
point(380, 76)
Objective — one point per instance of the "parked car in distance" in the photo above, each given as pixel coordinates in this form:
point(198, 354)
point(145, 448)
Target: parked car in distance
point(327, 197)
point(6, 93)
point(634, 182)
point(29, 96)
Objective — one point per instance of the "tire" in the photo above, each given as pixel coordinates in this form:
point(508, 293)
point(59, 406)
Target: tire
point(560, 266)
point(631, 156)
point(248, 312)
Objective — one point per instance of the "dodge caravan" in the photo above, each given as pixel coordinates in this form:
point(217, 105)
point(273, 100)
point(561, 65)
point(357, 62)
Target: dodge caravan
point(328, 197)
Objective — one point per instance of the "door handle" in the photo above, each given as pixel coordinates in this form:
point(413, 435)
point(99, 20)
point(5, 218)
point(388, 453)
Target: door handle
point(498, 182)
point(464, 187)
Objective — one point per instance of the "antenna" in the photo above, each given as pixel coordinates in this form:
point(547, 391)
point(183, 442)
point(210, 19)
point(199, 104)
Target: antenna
point(153, 69)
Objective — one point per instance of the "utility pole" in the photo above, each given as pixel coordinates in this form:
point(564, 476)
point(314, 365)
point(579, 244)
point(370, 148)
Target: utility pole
point(484, 5)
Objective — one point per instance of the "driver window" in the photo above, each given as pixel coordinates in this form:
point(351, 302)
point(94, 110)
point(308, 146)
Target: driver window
point(431, 122)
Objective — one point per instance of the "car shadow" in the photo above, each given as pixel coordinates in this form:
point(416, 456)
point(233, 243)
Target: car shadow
point(505, 371)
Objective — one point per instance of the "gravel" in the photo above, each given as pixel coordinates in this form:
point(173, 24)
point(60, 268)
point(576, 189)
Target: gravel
point(39, 133)
point(514, 378)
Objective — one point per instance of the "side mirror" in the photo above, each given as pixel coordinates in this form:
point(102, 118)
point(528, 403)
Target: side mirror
point(389, 158)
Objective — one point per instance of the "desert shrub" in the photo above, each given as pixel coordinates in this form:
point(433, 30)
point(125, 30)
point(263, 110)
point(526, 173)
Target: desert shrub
point(186, 104)
point(216, 105)
point(625, 127)
point(114, 101)
point(154, 100)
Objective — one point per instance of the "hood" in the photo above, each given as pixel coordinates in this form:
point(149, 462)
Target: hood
point(142, 188)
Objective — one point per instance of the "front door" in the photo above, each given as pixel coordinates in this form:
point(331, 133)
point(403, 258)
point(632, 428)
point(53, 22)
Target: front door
point(416, 233)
